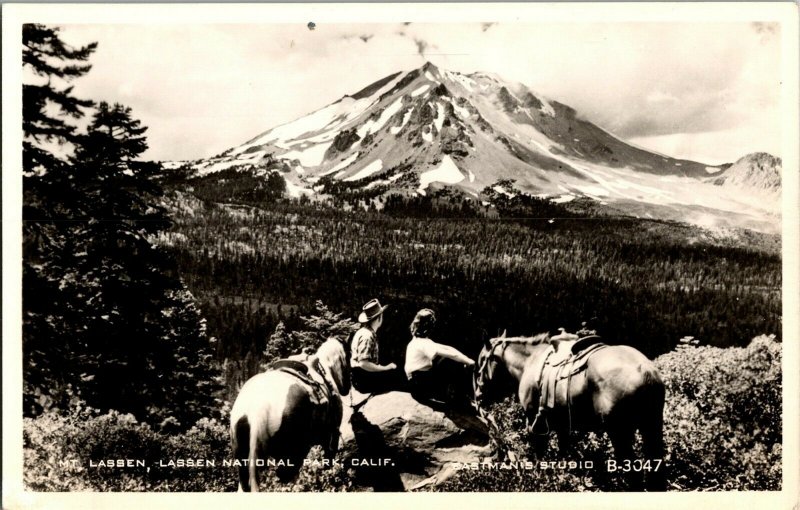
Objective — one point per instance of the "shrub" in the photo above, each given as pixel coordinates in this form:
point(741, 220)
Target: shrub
point(58, 450)
point(723, 416)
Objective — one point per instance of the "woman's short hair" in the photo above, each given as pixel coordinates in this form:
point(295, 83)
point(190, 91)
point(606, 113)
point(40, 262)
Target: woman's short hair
point(423, 323)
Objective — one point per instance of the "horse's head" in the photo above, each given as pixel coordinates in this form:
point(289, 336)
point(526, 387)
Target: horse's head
point(333, 357)
point(487, 371)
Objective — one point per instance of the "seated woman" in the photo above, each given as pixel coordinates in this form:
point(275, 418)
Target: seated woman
point(435, 372)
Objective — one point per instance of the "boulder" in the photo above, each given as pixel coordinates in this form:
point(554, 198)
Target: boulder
point(396, 443)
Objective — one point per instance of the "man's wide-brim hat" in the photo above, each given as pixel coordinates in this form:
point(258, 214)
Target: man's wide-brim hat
point(371, 310)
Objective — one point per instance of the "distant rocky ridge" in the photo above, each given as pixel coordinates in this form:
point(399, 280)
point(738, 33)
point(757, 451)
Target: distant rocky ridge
point(758, 171)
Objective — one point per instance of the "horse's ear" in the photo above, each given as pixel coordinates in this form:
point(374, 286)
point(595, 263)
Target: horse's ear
point(504, 334)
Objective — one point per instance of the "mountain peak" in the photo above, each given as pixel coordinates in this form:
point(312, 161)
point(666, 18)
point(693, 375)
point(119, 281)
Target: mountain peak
point(755, 171)
point(418, 131)
point(760, 157)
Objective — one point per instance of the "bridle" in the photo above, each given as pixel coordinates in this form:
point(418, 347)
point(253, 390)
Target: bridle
point(481, 372)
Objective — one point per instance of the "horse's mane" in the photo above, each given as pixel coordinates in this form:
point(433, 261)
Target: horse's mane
point(332, 355)
point(331, 351)
point(541, 338)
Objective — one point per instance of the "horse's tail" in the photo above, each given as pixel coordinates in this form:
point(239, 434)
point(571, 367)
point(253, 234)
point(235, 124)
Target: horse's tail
point(241, 451)
point(651, 426)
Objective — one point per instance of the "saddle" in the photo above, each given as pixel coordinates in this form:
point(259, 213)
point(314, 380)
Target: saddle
point(567, 356)
point(309, 373)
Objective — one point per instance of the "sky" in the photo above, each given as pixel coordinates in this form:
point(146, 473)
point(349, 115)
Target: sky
point(701, 91)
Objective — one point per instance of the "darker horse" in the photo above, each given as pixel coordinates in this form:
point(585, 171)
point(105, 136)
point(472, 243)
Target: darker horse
point(280, 414)
point(619, 391)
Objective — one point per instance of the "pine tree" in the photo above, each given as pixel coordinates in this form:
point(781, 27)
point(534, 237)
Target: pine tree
point(47, 106)
point(144, 333)
point(107, 321)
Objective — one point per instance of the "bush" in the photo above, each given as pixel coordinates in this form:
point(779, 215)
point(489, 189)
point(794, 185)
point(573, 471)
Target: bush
point(723, 416)
point(59, 452)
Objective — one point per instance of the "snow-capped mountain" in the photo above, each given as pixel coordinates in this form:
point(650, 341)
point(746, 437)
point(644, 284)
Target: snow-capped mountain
point(419, 130)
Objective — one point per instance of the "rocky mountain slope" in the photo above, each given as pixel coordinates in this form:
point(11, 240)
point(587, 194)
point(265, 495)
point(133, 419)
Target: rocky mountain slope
point(758, 174)
point(416, 131)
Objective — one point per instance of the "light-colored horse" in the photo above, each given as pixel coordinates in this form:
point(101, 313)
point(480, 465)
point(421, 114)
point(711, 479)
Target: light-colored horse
point(620, 391)
point(279, 416)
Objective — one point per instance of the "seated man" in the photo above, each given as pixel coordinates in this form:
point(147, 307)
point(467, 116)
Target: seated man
point(435, 371)
point(368, 375)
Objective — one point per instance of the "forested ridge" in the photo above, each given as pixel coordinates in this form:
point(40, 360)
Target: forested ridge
point(640, 282)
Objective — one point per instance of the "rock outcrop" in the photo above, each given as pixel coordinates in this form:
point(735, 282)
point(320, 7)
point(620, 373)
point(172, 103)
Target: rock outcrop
point(396, 443)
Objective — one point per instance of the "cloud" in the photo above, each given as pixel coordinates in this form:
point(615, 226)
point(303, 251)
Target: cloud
point(421, 46)
point(665, 81)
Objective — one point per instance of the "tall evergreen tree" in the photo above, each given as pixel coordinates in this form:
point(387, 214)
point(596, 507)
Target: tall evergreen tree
point(48, 136)
point(118, 329)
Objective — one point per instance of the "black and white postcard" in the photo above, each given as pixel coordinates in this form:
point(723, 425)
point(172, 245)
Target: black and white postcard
point(543, 250)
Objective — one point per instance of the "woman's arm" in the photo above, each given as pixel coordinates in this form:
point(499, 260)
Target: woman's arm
point(445, 351)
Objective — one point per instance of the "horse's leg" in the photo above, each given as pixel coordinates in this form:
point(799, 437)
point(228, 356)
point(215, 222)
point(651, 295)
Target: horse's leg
point(241, 445)
point(652, 430)
point(565, 443)
point(540, 441)
point(332, 445)
point(289, 470)
point(622, 437)
point(252, 462)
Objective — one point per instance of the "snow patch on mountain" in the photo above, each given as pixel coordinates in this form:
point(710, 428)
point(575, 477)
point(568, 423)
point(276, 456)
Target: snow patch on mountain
point(217, 167)
point(310, 123)
point(563, 199)
point(311, 156)
point(406, 116)
point(420, 90)
point(547, 108)
point(461, 111)
point(447, 172)
point(371, 126)
point(465, 82)
point(368, 170)
point(503, 191)
point(347, 162)
point(593, 190)
point(439, 121)
point(295, 191)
